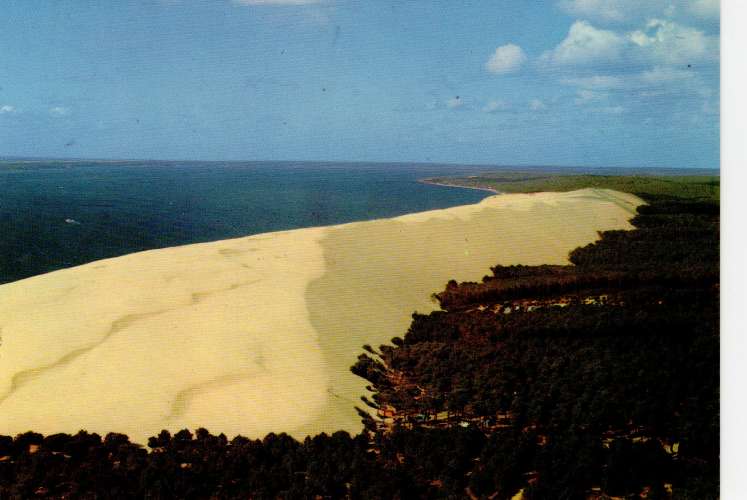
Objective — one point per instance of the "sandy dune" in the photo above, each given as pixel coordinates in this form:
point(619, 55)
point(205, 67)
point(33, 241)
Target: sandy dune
point(256, 334)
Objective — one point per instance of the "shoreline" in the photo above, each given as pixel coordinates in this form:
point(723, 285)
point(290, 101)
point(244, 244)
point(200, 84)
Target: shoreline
point(268, 325)
point(446, 184)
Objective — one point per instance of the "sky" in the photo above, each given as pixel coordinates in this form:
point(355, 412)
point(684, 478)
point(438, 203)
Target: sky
point(630, 83)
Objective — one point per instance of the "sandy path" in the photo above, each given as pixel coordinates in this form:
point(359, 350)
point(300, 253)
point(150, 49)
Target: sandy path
point(256, 334)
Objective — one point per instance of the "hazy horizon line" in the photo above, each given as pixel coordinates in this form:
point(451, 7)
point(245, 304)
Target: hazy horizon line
point(31, 159)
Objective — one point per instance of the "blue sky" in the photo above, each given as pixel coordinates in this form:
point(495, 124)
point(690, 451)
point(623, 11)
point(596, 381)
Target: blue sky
point(555, 82)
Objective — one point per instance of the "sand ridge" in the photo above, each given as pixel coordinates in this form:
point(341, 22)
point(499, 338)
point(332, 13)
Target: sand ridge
point(256, 334)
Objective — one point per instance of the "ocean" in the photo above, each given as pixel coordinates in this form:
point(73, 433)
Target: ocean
point(57, 214)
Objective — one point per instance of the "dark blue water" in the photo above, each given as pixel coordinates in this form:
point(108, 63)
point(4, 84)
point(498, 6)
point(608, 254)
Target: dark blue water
point(56, 214)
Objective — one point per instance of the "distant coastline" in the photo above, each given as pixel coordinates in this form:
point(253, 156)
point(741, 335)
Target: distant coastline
point(432, 182)
point(506, 182)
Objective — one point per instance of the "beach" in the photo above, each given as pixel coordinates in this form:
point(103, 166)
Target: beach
point(255, 335)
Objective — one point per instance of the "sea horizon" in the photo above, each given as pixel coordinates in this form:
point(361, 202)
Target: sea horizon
point(550, 168)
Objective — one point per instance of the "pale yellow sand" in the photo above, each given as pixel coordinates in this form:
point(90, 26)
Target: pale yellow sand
point(256, 334)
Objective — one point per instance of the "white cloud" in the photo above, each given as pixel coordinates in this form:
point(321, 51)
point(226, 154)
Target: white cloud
point(664, 41)
point(657, 77)
point(59, 111)
point(605, 10)
point(585, 44)
point(595, 82)
point(276, 2)
point(455, 102)
point(708, 9)
point(7, 109)
point(506, 59)
point(663, 74)
point(617, 11)
point(537, 105)
point(494, 106)
point(620, 11)
point(660, 87)
point(596, 102)
point(660, 42)
point(585, 96)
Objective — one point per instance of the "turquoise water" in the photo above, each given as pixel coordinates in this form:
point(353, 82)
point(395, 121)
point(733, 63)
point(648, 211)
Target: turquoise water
point(56, 214)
